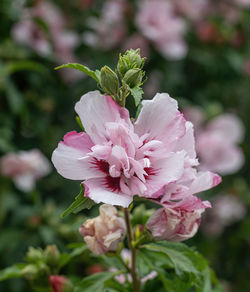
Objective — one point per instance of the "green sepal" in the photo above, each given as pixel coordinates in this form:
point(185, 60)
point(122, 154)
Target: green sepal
point(79, 204)
point(137, 93)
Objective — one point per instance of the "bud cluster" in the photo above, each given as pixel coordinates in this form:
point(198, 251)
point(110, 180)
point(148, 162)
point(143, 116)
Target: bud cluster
point(41, 262)
point(128, 75)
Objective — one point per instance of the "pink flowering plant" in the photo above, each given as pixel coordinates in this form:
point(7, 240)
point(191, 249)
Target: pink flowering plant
point(137, 160)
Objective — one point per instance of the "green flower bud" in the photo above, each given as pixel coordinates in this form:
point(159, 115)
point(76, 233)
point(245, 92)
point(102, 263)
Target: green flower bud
point(30, 271)
point(130, 60)
point(34, 255)
point(109, 81)
point(51, 255)
point(133, 77)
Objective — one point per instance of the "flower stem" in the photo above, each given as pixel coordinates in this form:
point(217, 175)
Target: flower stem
point(135, 279)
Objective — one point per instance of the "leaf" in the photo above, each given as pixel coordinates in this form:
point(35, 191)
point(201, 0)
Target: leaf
point(11, 272)
point(78, 249)
point(179, 259)
point(79, 204)
point(14, 97)
point(137, 93)
point(26, 65)
point(93, 74)
point(94, 282)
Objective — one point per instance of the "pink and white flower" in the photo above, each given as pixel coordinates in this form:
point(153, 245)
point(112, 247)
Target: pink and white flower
point(25, 168)
point(153, 157)
point(216, 142)
point(158, 22)
point(103, 233)
point(174, 225)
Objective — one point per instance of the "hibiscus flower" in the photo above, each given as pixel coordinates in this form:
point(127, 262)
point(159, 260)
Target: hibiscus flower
point(153, 157)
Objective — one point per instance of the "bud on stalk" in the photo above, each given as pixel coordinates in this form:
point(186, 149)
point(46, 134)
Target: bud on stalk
point(133, 77)
point(109, 81)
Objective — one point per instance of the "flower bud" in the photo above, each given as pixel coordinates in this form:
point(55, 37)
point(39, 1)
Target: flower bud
point(60, 284)
point(51, 255)
point(131, 59)
point(34, 255)
point(133, 77)
point(174, 225)
point(109, 81)
point(103, 233)
point(30, 271)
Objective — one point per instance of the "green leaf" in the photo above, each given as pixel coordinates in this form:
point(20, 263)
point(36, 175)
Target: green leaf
point(79, 204)
point(137, 93)
point(93, 74)
point(14, 97)
point(78, 249)
point(179, 259)
point(11, 272)
point(94, 282)
point(26, 65)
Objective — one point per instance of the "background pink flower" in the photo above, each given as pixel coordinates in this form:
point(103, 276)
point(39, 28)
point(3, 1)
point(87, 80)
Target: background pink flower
point(217, 142)
point(25, 168)
point(157, 21)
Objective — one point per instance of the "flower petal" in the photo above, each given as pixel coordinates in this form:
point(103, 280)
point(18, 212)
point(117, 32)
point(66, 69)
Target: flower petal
point(187, 142)
point(95, 110)
point(168, 170)
point(204, 181)
point(160, 118)
point(95, 190)
point(70, 159)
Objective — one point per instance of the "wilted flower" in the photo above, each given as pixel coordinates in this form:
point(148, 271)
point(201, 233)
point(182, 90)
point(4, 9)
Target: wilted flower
point(60, 284)
point(103, 233)
point(216, 142)
point(25, 168)
point(153, 157)
point(226, 210)
point(158, 22)
point(174, 224)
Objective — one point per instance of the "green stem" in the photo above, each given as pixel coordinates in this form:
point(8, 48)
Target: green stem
point(135, 279)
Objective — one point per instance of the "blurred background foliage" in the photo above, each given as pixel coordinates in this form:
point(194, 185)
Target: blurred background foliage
point(211, 70)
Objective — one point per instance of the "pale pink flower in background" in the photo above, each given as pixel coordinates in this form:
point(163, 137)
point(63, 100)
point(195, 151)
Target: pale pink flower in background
point(25, 168)
point(29, 34)
point(157, 21)
point(227, 209)
point(193, 9)
point(56, 41)
point(109, 29)
point(136, 41)
point(103, 233)
point(243, 3)
point(174, 225)
point(153, 157)
point(216, 142)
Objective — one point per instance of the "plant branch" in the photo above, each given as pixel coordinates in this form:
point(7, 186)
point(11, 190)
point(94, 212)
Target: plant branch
point(136, 280)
